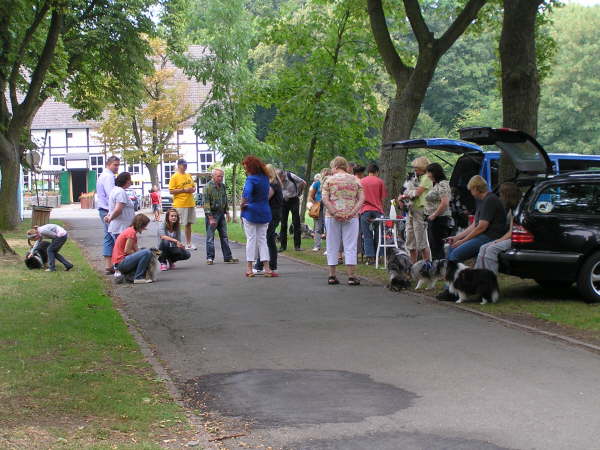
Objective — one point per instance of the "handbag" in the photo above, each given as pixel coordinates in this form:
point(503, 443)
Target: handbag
point(315, 210)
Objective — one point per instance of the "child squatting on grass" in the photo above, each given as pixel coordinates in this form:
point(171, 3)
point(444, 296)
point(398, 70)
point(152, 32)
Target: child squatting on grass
point(58, 235)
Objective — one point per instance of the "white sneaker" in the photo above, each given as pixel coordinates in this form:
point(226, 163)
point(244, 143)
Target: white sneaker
point(141, 281)
point(191, 247)
point(258, 272)
point(117, 274)
point(316, 249)
point(325, 253)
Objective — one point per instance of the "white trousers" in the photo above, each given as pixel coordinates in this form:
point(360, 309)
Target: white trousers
point(256, 241)
point(338, 233)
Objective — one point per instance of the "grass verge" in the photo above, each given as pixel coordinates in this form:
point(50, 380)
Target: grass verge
point(521, 300)
point(71, 375)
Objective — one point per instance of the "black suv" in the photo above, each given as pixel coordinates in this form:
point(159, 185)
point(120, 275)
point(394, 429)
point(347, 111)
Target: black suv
point(556, 231)
point(556, 234)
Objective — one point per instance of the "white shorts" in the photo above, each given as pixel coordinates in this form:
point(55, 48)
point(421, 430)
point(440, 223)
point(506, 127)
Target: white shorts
point(186, 215)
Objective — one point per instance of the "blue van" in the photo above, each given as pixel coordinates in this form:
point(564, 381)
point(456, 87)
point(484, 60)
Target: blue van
point(527, 155)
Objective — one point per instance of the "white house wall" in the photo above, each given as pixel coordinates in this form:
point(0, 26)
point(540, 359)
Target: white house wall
point(63, 141)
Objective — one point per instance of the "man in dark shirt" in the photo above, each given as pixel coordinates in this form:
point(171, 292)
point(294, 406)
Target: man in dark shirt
point(489, 223)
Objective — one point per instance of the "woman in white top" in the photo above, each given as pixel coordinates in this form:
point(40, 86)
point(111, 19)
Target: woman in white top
point(487, 258)
point(120, 207)
point(58, 236)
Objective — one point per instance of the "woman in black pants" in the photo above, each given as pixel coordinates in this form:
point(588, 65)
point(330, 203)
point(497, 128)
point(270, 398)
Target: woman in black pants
point(170, 245)
point(275, 202)
point(437, 210)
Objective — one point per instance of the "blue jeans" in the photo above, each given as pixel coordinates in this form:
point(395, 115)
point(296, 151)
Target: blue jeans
point(136, 262)
point(109, 242)
point(369, 231)
point(210, 237)
point(53, 254)
point(469, 249)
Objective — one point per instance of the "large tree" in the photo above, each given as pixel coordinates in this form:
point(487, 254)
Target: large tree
point(225, 29)
point(142, 130)
point(83, 52)
point(411, 74)
point(320, 84)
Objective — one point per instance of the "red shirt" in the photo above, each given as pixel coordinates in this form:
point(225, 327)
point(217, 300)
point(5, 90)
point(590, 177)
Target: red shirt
point(155, 198)
point(374, 194)
point(118, 253)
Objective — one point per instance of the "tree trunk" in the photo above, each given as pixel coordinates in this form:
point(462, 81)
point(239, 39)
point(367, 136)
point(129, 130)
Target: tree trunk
point(153, 171)
point(520, 81)
point(9, 171)
point(399, 121)
point(307, 175)
point(234, 218)
point(4, 247)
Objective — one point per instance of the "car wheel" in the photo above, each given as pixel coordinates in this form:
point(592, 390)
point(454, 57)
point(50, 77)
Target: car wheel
point(588, 281)
point(554, 284)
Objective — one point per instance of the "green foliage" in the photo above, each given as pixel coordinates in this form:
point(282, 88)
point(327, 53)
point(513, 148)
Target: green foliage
point(317, 71)
point(570, 102)
point(225, 29)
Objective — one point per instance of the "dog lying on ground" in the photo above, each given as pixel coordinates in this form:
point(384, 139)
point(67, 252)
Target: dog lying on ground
point(429, 273)
point(477, 283)
point(399, 267)
point(39, 258)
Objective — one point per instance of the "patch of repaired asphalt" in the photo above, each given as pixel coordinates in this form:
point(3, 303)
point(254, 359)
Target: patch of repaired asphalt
point(274, 398)
point(394, 441)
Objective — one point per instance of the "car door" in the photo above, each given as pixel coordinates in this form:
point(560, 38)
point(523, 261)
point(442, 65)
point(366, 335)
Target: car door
point(565, 217)
point(527, 155)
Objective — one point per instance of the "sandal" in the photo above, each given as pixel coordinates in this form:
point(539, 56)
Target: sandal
point(352, 281)
point(333, 280)
point(250, 274)
point(271, 274)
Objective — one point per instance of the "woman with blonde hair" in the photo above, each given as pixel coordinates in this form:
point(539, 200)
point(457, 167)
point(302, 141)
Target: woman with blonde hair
point(275, 202)
point(416, 226)
point(343, 196)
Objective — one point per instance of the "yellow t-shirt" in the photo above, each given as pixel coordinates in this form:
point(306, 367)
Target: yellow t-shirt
point(182, 181)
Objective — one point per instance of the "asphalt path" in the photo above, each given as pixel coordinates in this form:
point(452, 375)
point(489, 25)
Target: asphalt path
point(294, 363)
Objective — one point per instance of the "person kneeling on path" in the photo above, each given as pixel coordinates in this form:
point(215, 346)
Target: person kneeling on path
point(216, 210)
point(127, 257)
point(58, 235)
point(169, 241)
point(489, 225)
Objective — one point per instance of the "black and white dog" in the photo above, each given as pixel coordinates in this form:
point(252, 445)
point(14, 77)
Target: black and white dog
point(466, 282)
point(399, 266)
point(428, 273)
point(39, 258)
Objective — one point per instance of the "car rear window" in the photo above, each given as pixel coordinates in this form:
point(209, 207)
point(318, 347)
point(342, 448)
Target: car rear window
point(569, 198)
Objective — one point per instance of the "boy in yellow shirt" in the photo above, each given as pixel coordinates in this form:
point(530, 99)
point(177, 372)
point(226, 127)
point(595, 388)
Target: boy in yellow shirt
point(182, 187)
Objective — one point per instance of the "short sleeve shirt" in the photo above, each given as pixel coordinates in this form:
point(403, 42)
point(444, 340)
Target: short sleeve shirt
point(491, 210)
point(317, 187)
point(182, 181)
point(342, 190)
point(119, 248)
point(434, 197)
point(123, 220)
point(424, 182)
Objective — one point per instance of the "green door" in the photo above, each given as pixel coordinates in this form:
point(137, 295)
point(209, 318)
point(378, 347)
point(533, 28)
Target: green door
point(65, 188)
point(91, 181)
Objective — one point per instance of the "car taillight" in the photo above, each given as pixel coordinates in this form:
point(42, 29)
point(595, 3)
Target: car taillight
point(520, 235)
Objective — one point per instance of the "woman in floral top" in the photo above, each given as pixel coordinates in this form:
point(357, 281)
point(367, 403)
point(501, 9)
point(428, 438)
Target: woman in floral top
point(437, 210)
point(343, 197)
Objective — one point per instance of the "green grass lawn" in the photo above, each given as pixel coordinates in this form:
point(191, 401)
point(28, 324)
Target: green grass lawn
point(518, 297)
point(71, 375)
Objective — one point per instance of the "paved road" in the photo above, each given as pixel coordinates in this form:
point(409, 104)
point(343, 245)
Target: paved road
point(297, 364)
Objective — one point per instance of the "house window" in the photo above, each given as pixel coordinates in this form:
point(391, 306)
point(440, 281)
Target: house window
point(97, 164)
point(168, 171)
point(206, 160)
point(58, 161)
point(26, 181)
point(133, 169)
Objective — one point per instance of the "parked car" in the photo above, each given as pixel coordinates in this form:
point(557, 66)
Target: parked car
point(134, 198)
point(556, 230)
point(474, 160)
point(166, 199)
